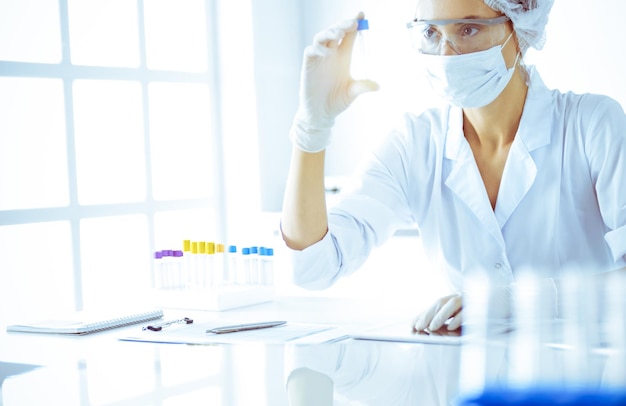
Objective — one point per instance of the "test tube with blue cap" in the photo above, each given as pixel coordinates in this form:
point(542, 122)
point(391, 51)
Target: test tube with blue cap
point(254, 265)
point(245, 266)
point(360, 51)
point(266, 273)
point(270, 266)
point(231, 268)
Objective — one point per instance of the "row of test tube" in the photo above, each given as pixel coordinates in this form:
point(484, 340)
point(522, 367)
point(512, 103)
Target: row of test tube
point(206, 265)
point(559, 343)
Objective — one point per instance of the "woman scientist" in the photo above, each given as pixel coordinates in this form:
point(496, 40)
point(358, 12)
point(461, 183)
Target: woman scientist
point(509, 176)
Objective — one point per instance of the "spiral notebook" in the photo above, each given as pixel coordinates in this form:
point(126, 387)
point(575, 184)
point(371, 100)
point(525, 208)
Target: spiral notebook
point(88, 322)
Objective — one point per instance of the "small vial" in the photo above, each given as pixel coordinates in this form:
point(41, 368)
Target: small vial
point(231, 270)
point(267, 266)
point(220, 264)
point(210, 250)
point(202, 265)
point(194, 269)
point(178, 269)
point(360, 52)
point(245, 267)
point(167, 269)
point(254, 266)
point(157, 278)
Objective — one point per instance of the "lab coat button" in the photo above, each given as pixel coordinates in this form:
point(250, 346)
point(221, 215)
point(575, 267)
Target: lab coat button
point(498, 265)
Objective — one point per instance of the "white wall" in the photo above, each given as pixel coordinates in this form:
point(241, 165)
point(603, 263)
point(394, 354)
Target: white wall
point(584, 51)
point(278, 46)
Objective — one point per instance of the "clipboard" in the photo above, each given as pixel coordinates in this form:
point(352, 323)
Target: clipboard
point(400, 331)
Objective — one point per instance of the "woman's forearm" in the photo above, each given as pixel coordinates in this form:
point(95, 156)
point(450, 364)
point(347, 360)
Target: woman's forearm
point(304, 217)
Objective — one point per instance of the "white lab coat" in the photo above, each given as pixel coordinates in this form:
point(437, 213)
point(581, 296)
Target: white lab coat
point(561, 204)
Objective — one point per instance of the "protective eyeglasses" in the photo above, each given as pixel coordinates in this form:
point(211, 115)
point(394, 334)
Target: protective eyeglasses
point(463, 36)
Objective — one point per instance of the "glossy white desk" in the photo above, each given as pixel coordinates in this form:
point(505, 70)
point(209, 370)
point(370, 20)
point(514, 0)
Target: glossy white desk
point(99, 369)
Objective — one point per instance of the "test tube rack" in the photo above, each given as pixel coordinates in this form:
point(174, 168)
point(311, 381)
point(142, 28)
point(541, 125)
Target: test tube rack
point(207, 276)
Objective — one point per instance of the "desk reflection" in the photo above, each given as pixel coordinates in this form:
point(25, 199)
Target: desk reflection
point(383, 373)
point(368, 372)
point(140, 374)
point(350, 372)
point(373, 373)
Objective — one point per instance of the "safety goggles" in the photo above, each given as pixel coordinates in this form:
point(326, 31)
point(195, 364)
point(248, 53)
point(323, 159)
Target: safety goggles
point(463, 36)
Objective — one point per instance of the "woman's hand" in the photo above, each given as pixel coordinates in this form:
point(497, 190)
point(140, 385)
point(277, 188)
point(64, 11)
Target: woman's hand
point(326, 87)
point(498, 301)
point(447, 309)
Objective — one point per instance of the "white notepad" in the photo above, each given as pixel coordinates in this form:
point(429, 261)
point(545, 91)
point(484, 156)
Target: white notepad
point(401, 332)
point(88, 322)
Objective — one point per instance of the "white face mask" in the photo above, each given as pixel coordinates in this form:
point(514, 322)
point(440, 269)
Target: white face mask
point(469, 80)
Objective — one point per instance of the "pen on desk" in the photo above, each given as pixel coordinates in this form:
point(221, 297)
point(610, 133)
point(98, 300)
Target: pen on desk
point(244, 327)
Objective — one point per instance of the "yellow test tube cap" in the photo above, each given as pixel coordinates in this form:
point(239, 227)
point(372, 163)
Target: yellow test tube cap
point(202, 247)
point(186, 245)
point(194, 247)
point(210, 248)
point(219, 248)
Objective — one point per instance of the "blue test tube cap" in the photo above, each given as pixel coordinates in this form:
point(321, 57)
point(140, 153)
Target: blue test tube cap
point(232, 248)
point(363, 25)
point(262, 251)
point(254, 250)
point(245, 251)
point(270, 252)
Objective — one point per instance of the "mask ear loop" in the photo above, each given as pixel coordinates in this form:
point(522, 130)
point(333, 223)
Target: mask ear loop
point(507, 40)
point(517, 56)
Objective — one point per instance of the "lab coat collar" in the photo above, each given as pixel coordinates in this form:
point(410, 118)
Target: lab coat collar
point(534, 132)
point(464, 179)
point(535, 126)
point(520, 169)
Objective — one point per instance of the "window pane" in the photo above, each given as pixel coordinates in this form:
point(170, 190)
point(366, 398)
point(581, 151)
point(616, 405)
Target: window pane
point(180, 138)
point(30, 31)
point(176, 35)
point(115, 260)
point(110, 157)
point(36, 269)
point(104, 32)
point(172, 227)
point(33, 149)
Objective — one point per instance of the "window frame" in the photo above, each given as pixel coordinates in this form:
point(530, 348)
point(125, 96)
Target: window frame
point(68, 73)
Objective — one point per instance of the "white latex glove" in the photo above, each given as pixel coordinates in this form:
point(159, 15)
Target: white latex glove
point(326, 87)
point(444, 309)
